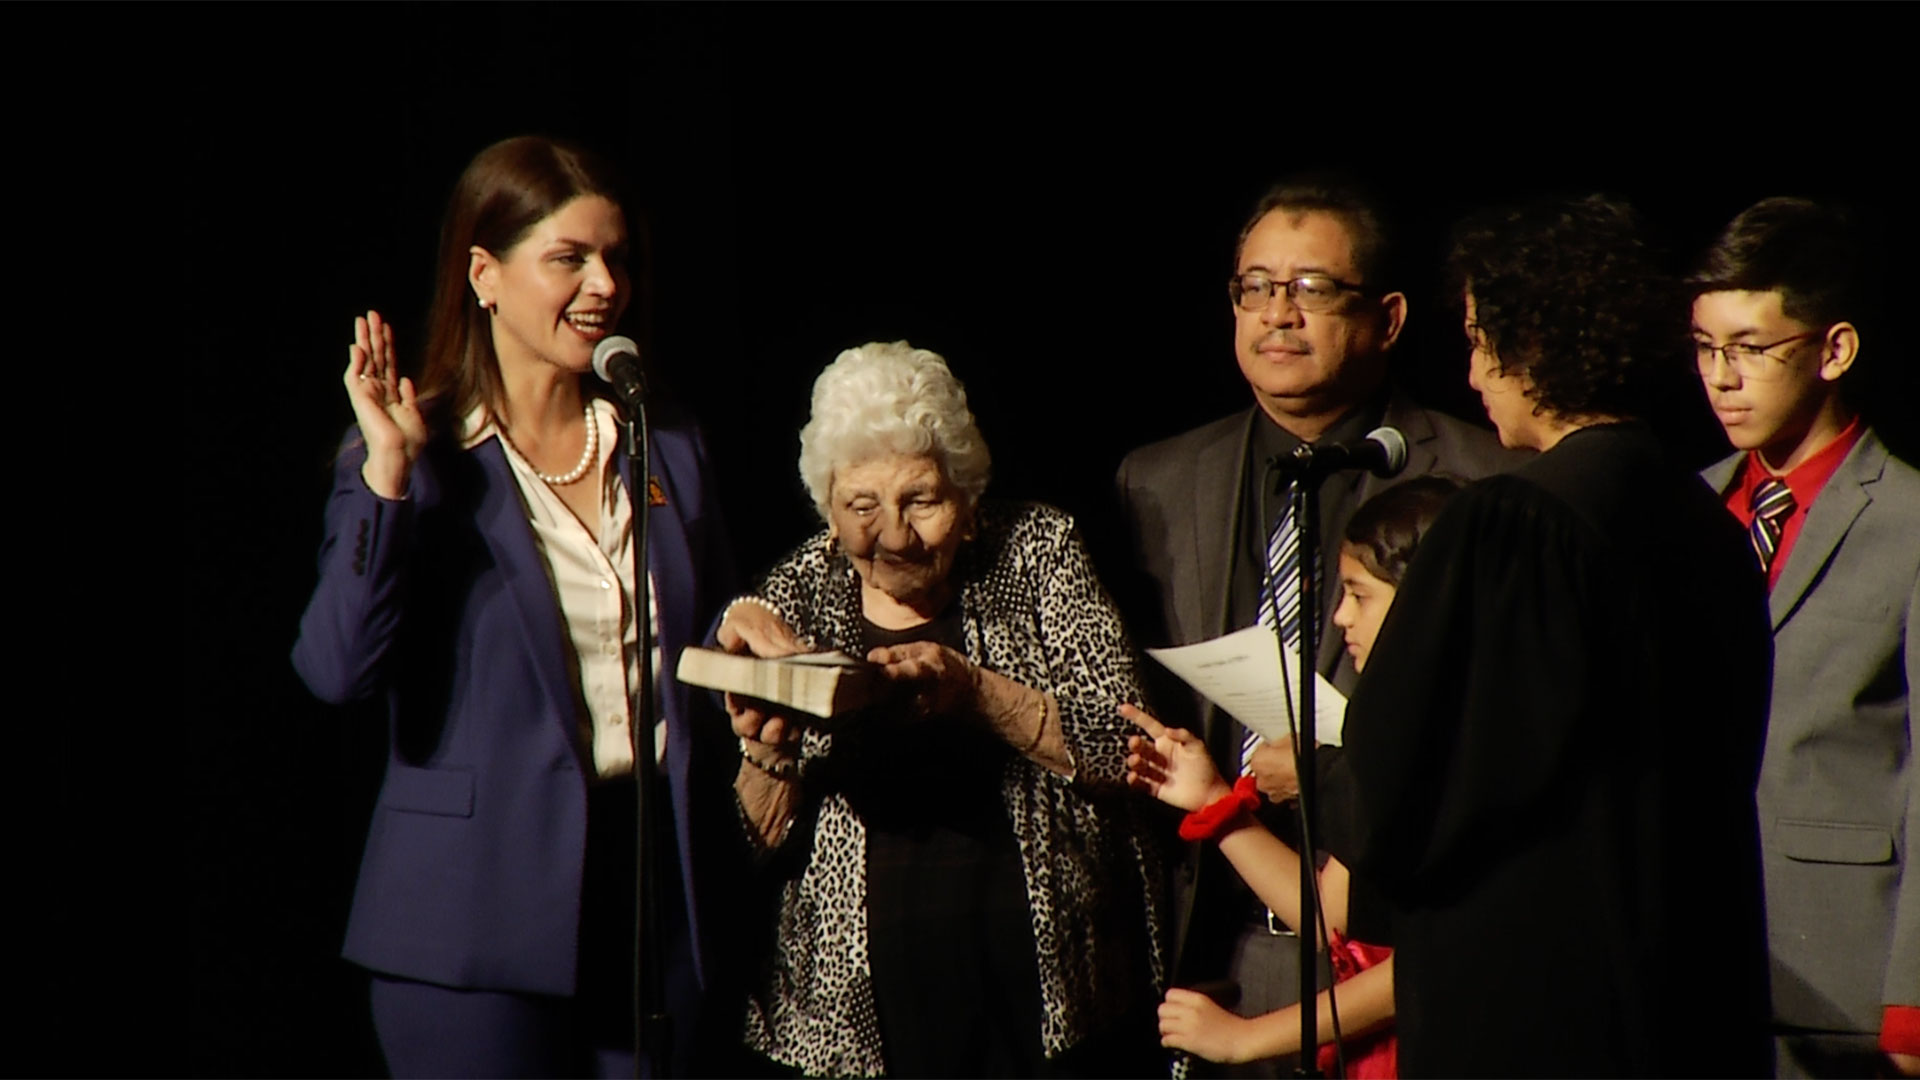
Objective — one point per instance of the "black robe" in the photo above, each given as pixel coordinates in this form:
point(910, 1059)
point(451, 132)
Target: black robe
point(1551, 760)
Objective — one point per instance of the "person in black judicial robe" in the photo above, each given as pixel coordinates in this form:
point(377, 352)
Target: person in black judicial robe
point(1552, 756)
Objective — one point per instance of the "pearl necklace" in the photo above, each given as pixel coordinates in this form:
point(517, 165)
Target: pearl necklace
point(586, 456)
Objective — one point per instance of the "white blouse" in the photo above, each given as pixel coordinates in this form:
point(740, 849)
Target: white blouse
point(594, 585)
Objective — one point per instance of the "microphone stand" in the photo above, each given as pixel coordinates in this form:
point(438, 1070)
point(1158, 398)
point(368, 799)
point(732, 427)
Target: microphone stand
point(1307, 467)
point(653, 1025)
point(1305, 479)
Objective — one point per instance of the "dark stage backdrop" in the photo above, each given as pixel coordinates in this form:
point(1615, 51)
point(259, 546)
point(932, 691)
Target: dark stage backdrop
point(1048, 196)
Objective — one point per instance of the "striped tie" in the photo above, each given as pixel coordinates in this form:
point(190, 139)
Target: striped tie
point(1772, 502)
point(1281, 592)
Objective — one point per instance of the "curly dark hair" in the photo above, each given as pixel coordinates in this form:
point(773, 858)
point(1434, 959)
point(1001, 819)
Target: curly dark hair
point(1569, 293)
point(1384, 533)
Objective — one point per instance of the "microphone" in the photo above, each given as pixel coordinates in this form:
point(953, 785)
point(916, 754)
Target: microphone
point(617, 361)
point(1383, 452)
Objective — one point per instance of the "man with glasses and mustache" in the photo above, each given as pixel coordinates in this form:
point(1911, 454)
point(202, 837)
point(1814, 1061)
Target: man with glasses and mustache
point(1315, 313)
point(1835, 523)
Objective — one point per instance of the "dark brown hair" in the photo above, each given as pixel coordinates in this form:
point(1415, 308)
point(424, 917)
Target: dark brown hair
point(505, 191)
point(1813, 254)
point(1384, 533)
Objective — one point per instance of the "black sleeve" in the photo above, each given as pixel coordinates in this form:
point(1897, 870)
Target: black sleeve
point(1471, 710)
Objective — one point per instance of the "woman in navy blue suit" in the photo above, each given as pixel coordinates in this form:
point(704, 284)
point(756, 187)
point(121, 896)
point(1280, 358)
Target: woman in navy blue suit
point(477, 574)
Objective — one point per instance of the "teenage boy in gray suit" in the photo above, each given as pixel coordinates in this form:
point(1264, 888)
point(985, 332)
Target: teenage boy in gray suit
point(1835, 521)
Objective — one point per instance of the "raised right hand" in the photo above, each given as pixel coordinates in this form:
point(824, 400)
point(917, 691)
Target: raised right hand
point(385, 407)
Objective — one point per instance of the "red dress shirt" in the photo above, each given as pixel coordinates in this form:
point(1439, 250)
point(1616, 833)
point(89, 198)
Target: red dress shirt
point(1805, 481)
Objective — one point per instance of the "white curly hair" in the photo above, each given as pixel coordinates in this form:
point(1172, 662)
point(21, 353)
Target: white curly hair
point(890, 398)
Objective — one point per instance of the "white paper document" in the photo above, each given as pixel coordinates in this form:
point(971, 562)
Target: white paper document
point(1240, 672)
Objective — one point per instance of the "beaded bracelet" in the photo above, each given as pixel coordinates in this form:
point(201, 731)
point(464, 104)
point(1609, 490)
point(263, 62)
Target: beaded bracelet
point(779, 770)
point(1214, 818)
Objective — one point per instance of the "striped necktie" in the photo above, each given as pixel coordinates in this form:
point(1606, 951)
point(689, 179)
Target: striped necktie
point(1772, 502)
point(1281, 592)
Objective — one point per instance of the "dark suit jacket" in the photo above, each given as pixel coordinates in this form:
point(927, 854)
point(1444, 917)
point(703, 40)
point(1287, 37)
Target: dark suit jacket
point(1182, 497)
point(440, 603)
point(1182, 502)
point(1839, 813)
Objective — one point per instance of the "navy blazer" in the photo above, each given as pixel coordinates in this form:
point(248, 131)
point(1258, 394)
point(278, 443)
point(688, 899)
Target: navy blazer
point(440, 602)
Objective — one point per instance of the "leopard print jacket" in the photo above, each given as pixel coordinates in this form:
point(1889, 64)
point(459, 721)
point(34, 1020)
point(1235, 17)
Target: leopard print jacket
point(1034, 611)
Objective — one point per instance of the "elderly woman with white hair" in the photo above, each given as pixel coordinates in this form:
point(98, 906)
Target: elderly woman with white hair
point(964, 887)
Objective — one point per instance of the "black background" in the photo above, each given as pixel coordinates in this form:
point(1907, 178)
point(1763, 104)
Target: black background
point(818, 177)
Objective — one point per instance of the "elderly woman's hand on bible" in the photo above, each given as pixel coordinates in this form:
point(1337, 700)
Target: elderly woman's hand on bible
point(762, 722)
point(752, 626)
point(940, 679)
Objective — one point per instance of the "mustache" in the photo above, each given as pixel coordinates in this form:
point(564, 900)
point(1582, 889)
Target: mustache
point(1286, 340)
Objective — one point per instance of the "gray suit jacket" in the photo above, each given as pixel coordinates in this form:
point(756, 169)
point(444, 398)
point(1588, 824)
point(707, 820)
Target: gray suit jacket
point(1181, 499)
point(1838, 810)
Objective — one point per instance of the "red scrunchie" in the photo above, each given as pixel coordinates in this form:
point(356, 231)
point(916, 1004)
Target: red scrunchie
point(1212, 819)
point(1900, 1029)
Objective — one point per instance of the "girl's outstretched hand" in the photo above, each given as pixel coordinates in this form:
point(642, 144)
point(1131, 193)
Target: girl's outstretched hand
point(1171, 764)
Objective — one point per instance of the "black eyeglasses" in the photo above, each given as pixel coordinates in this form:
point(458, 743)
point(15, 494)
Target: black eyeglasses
point(1748, 360)
point(1309, 292)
